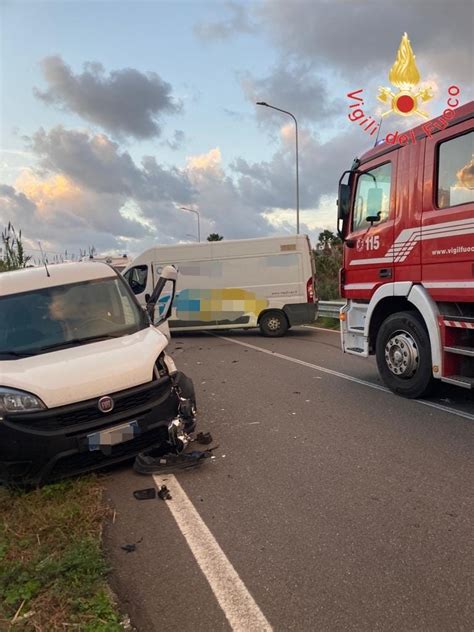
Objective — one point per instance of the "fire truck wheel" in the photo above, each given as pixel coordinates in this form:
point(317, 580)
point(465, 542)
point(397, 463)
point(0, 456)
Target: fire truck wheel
point(274, 324)
point(404, 355)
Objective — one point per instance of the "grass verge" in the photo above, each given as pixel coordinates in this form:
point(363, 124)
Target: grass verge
point(326, 323)
point(52, 569)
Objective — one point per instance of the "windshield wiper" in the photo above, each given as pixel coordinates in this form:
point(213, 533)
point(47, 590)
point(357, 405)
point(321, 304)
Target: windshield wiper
point(58, 345)
point(77, 341)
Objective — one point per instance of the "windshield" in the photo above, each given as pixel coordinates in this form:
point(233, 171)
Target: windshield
point(60, 317)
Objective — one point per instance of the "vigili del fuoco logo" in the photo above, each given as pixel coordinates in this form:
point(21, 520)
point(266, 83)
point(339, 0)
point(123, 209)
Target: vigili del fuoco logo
point(407, 101)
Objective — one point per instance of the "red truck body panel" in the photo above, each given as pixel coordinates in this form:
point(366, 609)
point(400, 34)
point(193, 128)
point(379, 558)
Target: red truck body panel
point(422, 239)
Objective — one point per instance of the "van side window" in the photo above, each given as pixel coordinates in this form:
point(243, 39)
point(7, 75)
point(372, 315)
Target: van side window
point(372, 197)
point(136, 277)
point(456, 171)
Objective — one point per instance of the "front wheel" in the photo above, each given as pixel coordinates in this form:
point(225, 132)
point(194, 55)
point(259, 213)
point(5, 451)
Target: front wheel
point(274, 324)
point(403, 354)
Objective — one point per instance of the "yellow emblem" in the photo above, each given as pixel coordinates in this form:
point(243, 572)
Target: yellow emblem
point(405, 75)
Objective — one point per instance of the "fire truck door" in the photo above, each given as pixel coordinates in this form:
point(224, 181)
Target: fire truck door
point(368, 252)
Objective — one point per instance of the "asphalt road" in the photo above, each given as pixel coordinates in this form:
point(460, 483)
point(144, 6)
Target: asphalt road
point(338, 505)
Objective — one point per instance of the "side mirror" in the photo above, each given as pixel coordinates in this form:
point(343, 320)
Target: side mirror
point(374, 205)
point(343, 201)
point(165, 289)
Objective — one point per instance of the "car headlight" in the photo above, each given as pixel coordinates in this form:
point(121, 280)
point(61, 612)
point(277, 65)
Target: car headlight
point(14, 401)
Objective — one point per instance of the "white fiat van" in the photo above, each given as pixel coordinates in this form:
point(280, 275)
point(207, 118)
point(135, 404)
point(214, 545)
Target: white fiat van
point(84, 378)
point(266, 283)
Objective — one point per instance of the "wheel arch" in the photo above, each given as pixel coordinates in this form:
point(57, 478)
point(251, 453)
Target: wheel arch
point(414, 298)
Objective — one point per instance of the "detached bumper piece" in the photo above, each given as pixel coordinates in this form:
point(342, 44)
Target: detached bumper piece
point(154, 461)
point(175, 454)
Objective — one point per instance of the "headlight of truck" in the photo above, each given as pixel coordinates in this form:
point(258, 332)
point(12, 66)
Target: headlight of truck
point(13, 401)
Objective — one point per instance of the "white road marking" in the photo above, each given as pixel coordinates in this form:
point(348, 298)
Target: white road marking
point(238, 605)
point(344, 376)
point(333, 331)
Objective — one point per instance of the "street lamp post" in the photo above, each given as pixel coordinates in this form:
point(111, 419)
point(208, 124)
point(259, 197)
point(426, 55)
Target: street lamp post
point(192, 210)
point(267, 105)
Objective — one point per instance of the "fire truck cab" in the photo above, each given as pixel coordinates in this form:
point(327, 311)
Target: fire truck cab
point(406, 216)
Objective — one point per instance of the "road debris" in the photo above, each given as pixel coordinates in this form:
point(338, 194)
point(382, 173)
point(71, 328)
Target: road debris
point(164, 493)
point(204, 438)
point(155, 460)
point(130, 548)
point(178, 438)
point(145, 494)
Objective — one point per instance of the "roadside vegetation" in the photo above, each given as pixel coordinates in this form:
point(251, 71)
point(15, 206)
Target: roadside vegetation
point(328, 259)
point(13, 253)
point(53, 574)
point(327, 323)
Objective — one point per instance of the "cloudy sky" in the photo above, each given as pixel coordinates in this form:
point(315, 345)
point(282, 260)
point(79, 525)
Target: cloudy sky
point(115, 114)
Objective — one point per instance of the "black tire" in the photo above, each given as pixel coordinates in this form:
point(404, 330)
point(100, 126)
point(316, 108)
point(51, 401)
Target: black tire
point(403, 354)
point(274, 324)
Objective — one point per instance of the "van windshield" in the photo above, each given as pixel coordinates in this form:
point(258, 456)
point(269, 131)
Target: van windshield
point(43, 320)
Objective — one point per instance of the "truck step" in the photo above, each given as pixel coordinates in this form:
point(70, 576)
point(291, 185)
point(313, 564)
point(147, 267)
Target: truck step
point(467, 351)
point(459, 380)
point(355, 330)
point(355, 350)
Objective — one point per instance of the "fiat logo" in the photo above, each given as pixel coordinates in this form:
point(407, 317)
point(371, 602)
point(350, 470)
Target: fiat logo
point(105, 404)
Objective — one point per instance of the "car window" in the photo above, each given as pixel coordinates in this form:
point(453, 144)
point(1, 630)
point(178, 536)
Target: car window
point(137, 277)
point(372, 196)
point(456, 171)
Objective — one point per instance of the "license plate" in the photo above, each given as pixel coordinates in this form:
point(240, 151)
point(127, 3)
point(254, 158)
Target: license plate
point(113, 436)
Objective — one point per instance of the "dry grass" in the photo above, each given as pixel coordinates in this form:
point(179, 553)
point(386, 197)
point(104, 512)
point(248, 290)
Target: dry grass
point(52, 570)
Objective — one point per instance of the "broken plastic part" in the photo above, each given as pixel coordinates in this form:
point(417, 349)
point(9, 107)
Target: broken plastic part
point(170, 365)
point(145, 494)
point(153, 460)
point(204, 438)
point(164, 493)
point(129, 548)
point(178, 438)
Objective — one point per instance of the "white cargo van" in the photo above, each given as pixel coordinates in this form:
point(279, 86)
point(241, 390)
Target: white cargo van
point(84, 377)
point(266, 283)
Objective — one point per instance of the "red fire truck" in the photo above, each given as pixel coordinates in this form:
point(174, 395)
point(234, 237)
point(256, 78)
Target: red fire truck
point(406, 215)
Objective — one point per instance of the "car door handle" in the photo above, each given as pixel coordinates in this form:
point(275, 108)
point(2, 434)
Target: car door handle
point(385, 273)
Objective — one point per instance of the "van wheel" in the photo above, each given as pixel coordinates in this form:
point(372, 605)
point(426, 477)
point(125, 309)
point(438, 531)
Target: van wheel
point(403, 354)
point(274, 324)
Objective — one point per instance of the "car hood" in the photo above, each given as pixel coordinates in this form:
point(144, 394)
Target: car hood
point(78, 373)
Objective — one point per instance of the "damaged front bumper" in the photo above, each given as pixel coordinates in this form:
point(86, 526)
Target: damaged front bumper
point(69, 440)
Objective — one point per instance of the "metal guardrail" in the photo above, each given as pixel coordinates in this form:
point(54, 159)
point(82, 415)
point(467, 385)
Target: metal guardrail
point(330, 309)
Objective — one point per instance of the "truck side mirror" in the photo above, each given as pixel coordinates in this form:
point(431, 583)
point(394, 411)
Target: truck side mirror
point(343, 201)
point(374, 205)
point(166, 288)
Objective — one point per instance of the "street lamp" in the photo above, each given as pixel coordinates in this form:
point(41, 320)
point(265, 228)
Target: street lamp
point(191, 210)
point(267, 105)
